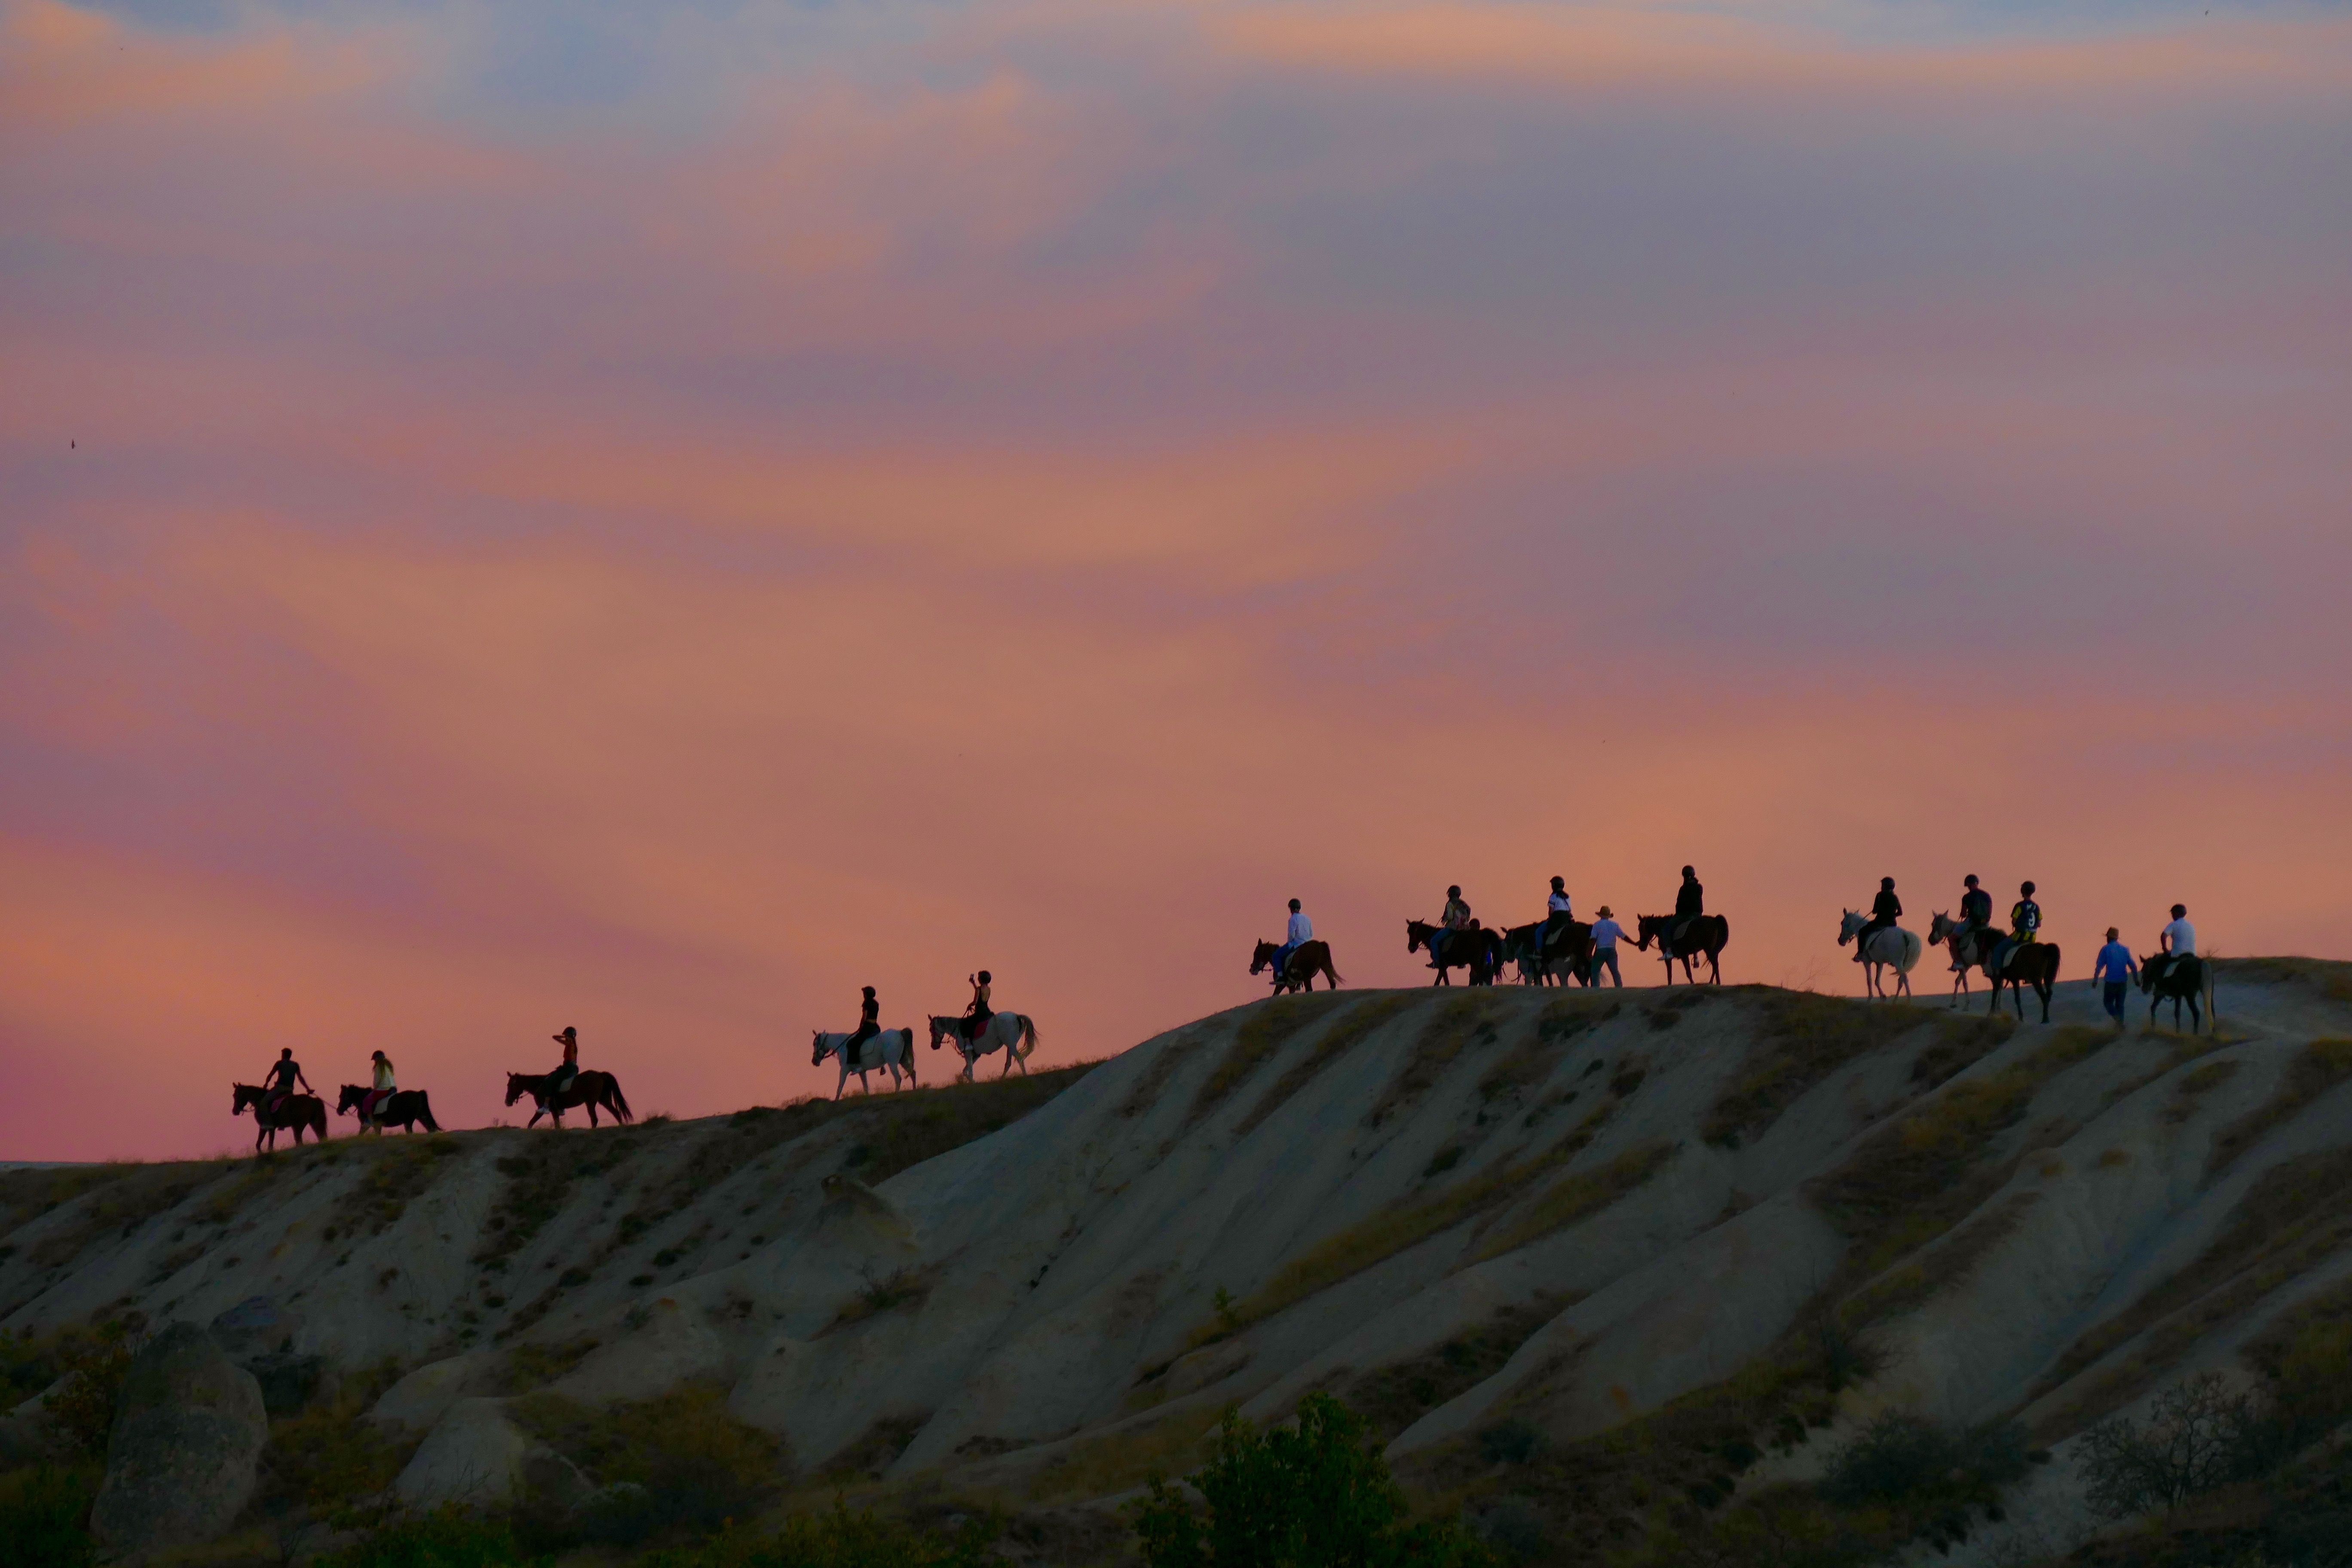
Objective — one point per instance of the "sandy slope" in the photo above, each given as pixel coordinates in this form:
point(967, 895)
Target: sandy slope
point(1456, 1208)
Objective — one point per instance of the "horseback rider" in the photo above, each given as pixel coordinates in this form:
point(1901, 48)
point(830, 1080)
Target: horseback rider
point(386, 1084)
point(2025, 915)
point(1301, 931)
point(1557, 915)
point(1690, 904)
point(2177, 940)
point(561, 1079)
point(869, 1024)
point(1885, 911)
point(281, 1080)
point(976, 1017)
point(1457, 918)
point(1976, 907)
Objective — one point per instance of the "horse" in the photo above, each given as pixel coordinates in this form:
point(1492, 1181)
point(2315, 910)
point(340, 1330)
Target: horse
point(1708, 935)
point(296, 1113)
point(2186, 980)
point(1013, 1032)
point(1478, 949)
point(590, 1087)
point(1889, 948)
point(2033, 963)
point(892, 1049)
point(1970, 947)
point(1539, 962)
point(1308, 960)
point(406, 1107)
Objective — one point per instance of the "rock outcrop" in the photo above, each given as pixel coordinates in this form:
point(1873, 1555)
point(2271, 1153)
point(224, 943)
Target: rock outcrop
point(187, 1441)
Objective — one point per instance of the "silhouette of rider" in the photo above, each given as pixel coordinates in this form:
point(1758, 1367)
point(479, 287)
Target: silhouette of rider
point(976, 1017)
point(1457, 918)
point(2025, 915)
point(281, 1080)
point(1690, 904)
point(385, 1084)
point(1885, 911)
point(1300, 932)
point(1976, 907)
point(1556, 914)
point(870, 1016)
point(2177, 940)
point(561, 1079)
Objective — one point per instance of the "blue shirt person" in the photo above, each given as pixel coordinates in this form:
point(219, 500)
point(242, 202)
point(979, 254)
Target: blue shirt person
point(2116, 966)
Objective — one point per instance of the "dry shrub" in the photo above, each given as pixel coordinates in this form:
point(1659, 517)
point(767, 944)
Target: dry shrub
point(2200, 1435)
point(331, 1459)
point(696, 1465)
point(1393, 1397)
point(1462, 1020)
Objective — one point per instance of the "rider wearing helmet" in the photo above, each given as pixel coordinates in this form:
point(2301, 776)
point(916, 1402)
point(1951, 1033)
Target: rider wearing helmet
point(1456, 918)
point(283, 1075)
point(2025, 915)
point(1884, 912)
point(976, 1017)
point(1300, 932)
point(869, 1024)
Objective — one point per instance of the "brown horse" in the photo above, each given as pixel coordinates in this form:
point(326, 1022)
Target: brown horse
point(2033, 963)
point(296, 1113)
point(1570, 951)
point(1310, 959)
point(405, 1108)
point(1705, 935)
point(2184, 979)
point(1478, 950)
point(590, 1088)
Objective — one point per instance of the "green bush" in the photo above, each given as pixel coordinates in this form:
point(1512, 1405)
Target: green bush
point(45, 1517)
point(83, 1410)
point(1318, 1495)
point(447, 1539)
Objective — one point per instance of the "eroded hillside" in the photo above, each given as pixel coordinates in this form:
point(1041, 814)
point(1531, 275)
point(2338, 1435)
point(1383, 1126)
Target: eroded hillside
point(1612, 1257)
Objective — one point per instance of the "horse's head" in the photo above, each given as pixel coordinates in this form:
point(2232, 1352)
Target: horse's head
point(1648, 929)
point(1940, 928)
point(817, 1047)
point(940, 1028)
point(514, 1086)
point(1417, 932)
point(1262, 957)
point(1849, 922)
point(243, 1097)
point(2148, 968)
point(350, 1100)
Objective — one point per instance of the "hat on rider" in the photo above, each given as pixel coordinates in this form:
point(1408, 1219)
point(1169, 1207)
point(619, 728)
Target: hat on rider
point(1690, 871)
point(1886, 881)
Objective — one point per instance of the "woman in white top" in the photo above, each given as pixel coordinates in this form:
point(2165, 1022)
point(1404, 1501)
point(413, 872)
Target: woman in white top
point(386, 1083)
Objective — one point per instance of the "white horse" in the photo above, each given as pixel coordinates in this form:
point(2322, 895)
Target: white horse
point(892, 1049)
point(1946, 931)
point(1012, 1033)
point(1892, 948)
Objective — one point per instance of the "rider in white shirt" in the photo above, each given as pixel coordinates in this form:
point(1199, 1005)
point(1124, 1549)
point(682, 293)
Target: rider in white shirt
point(2178, 940)
point(1302, 930)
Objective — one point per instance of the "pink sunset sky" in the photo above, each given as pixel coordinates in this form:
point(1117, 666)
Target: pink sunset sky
point(651, 517)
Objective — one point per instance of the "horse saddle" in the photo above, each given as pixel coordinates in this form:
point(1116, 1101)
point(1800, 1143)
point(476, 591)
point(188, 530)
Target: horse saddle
point(2002, 950)
point(972, 1023)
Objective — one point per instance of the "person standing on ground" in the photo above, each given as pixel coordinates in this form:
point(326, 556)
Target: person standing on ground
point(1605, 932)
point(2114, 966)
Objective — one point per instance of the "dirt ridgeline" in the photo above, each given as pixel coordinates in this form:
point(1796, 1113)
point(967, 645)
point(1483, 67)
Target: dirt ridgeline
point(1510, 1226)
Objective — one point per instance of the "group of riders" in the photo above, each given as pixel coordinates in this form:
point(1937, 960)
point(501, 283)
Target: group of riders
point(1556, 946)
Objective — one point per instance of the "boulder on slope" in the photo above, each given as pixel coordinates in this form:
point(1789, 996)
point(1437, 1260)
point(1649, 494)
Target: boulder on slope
point(477, 1457)
point(186, 1445)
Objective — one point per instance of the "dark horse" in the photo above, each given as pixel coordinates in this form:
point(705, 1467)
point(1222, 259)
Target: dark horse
point(296, 1113)
point(1702, 934)
point(2183, 982)
point(590, 1088)
point(1311, 959)
point(1478, 950)
point(2033, 963)
point(1569, 951)
point(408, 1107)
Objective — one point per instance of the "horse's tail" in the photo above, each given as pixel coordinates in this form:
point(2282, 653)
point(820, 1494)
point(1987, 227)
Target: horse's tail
point(319, 1119)
point(1028, 1035)
point(425, 1112)
point(1912, 950)
point(1722, 935)
point(618, 1104)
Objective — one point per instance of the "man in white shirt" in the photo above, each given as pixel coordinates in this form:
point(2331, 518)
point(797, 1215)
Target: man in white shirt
point(2178, 939)
point(1302, 930)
